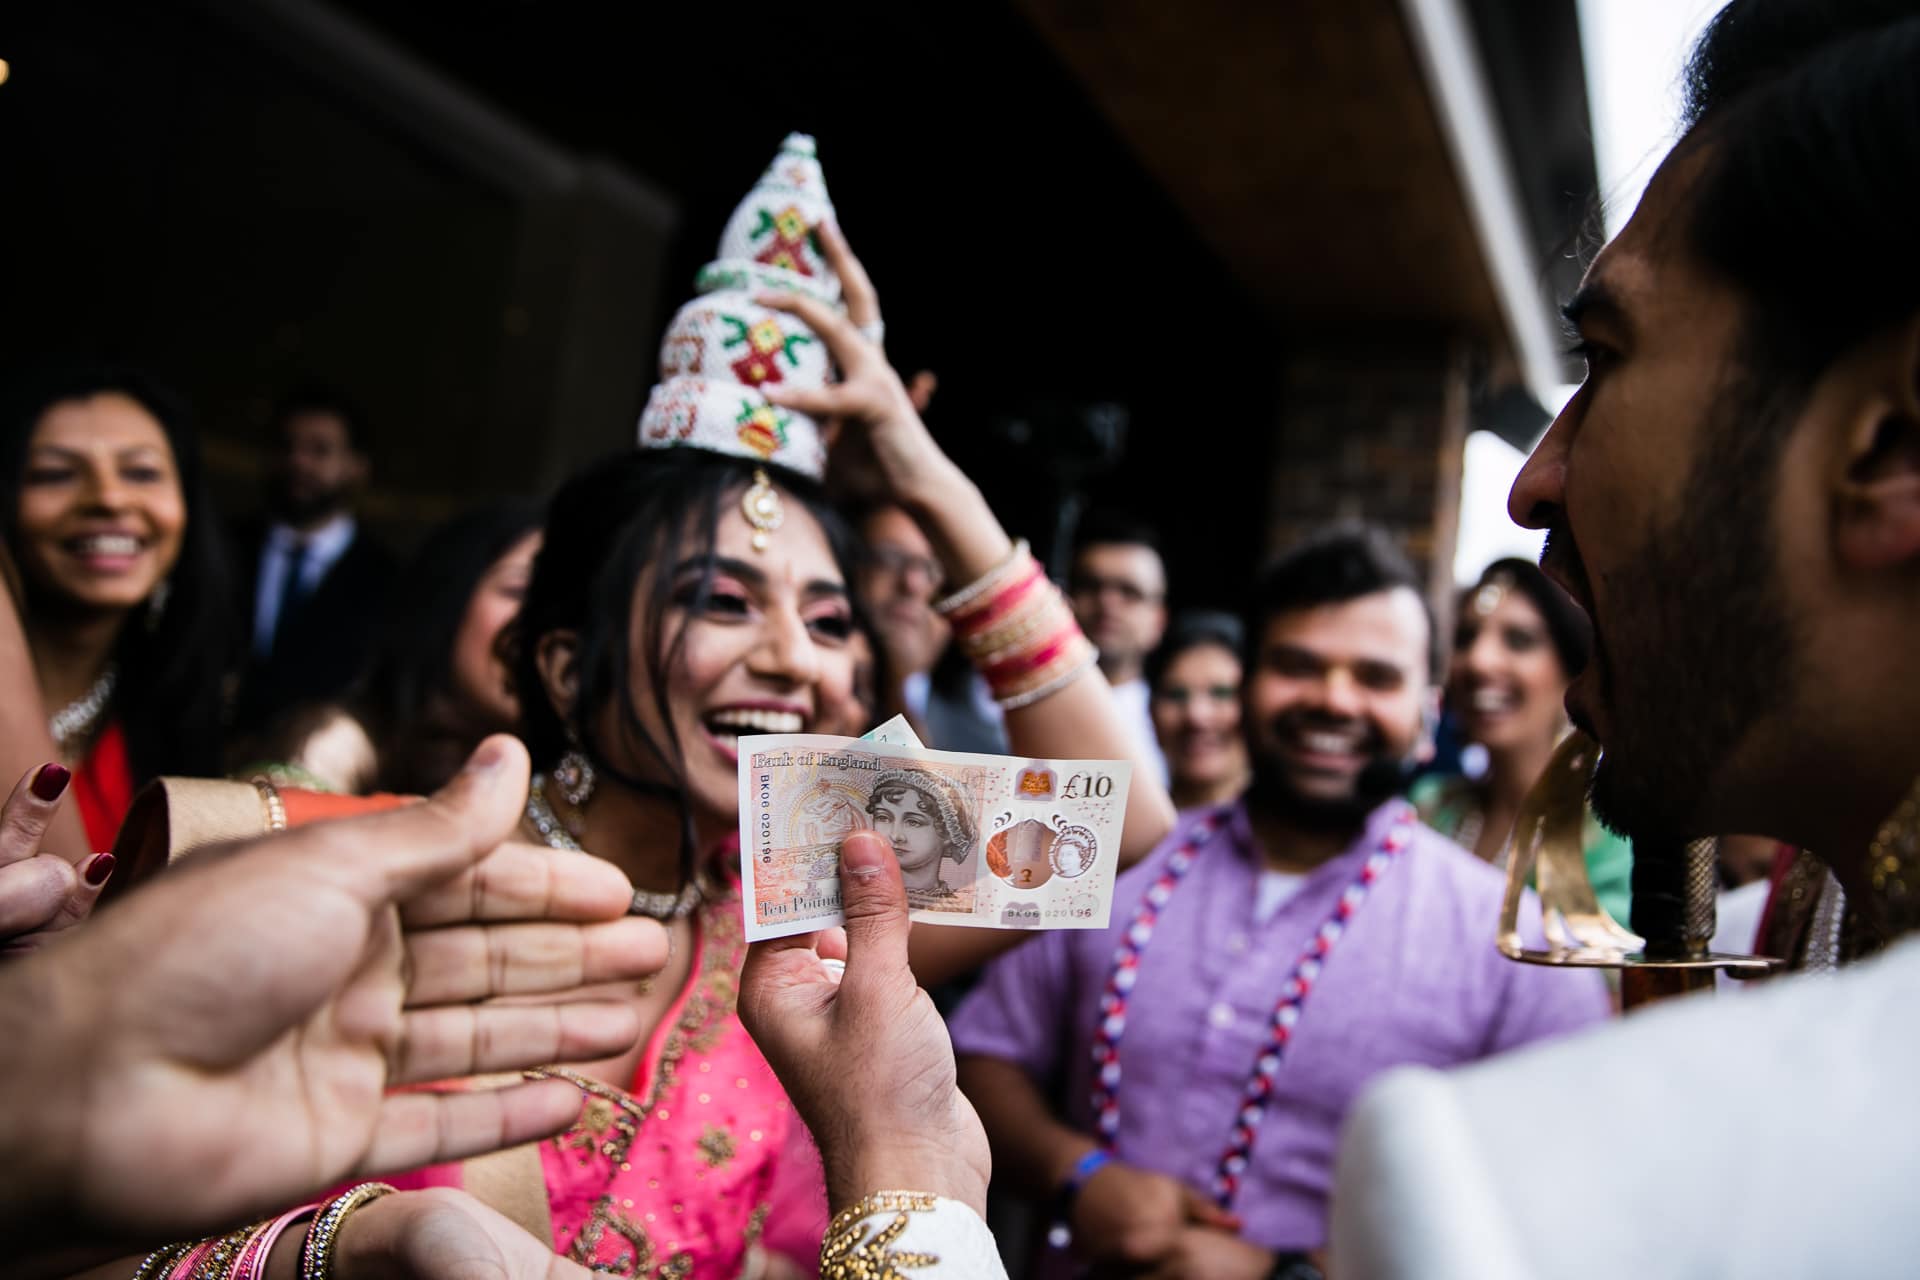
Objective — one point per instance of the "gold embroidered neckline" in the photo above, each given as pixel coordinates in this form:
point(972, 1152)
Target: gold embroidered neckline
point(611, 1118)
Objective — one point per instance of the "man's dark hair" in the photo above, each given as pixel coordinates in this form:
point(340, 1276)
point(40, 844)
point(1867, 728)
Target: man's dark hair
point(1114, 528)
point(1342, 563)
point(317, 398)
point(1806, 115)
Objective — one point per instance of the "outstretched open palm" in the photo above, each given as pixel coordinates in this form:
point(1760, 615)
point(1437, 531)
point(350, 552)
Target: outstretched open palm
point(227, 1038)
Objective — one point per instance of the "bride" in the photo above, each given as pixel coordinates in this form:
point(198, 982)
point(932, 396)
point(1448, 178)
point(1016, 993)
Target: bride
point(664, 619)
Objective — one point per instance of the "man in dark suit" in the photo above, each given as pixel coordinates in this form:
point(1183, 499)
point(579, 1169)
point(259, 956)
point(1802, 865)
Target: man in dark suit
point(317, 583)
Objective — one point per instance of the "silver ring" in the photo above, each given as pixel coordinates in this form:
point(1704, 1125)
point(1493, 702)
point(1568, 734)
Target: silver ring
point(875, 331)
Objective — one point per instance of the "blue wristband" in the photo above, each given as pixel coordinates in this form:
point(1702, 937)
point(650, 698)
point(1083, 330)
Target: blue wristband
point(1060, 1235)
point(1088, 1165)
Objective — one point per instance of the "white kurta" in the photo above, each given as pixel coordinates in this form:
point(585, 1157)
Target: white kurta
point(1767, 1133)
point(905, 1233)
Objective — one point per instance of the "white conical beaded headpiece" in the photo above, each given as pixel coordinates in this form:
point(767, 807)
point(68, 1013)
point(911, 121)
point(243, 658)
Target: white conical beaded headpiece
point(722, 347)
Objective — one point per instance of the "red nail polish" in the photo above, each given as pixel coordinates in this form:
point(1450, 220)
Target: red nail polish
point(50, 782)
point(99, 869)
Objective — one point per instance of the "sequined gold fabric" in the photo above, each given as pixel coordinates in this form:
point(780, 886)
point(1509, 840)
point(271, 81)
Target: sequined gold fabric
point(1892, 862)
point(859, 1243)
point(671, 1178)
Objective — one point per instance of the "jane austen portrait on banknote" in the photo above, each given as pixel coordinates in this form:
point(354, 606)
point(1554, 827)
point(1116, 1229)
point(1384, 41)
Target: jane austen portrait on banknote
point(929, 822)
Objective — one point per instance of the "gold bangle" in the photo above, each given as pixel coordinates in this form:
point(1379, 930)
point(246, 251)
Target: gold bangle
point(1064, 638)
point(316, 1255)
point(1084, 663)
point(1032, 616)
point(224, 1255)
point(270, 799)
point(1006, 600)
point(256, 1236)
point(986, 582)
point(156, 1265)
point(1036, 631)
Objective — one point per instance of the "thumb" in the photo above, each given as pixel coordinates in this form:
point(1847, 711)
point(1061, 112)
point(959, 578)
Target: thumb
point(874, 900)
point(417, 846)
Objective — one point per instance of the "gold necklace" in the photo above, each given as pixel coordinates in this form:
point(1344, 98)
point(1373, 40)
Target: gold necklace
point(665, 907)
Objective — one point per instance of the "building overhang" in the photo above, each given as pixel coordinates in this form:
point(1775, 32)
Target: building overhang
point(1364, 166)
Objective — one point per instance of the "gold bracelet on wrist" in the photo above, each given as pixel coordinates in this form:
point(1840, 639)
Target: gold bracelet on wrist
point(1041, 613)
point(158, 1264)
point(212, 1259)
point(316, 1255)
point(1081, 664)
point(270, 801)
point(223, 1256)
point(1036, 630)
point(985, 582)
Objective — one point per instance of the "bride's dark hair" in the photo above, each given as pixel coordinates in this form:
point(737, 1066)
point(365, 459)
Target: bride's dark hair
point(604, 527)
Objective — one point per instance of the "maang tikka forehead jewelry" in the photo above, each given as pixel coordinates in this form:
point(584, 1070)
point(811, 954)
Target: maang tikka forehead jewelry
point(761, 506)
point(1490, 594)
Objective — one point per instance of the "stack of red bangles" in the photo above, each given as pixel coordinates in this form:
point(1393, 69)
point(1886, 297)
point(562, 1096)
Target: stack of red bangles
point(1015, 627)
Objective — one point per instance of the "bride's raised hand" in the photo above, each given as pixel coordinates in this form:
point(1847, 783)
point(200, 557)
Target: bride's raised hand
point(870, 399)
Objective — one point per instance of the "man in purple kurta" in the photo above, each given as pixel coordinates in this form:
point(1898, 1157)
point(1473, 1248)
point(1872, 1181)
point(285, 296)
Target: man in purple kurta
point(1337, 682)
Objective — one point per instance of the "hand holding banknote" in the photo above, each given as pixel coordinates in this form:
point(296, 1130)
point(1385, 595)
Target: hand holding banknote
point(865, 1056)
point(980, 840)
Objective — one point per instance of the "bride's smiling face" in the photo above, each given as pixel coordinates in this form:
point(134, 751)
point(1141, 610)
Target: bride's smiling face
point(753, 641)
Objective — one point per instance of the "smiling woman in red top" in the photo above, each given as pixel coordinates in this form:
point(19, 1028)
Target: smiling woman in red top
point(122, 583)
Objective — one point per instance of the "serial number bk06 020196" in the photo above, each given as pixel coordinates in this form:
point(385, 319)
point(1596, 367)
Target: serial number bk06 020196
point(764, 838)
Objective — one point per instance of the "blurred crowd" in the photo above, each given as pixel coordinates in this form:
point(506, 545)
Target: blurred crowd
point(320, 1025)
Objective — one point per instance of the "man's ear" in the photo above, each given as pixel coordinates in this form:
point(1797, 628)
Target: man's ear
point(1877, 494)
point(557, 658)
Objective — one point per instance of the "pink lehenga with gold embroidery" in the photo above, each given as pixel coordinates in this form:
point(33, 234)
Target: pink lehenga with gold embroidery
point(700, 1160)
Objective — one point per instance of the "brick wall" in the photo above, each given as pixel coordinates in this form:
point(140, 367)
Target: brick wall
point(1372, 433)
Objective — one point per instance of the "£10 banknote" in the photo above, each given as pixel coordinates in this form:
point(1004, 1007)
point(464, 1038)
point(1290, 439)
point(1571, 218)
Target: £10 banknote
point(991, 841)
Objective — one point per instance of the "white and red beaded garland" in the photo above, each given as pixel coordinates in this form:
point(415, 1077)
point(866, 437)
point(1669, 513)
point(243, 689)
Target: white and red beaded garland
point(1286, 1011)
